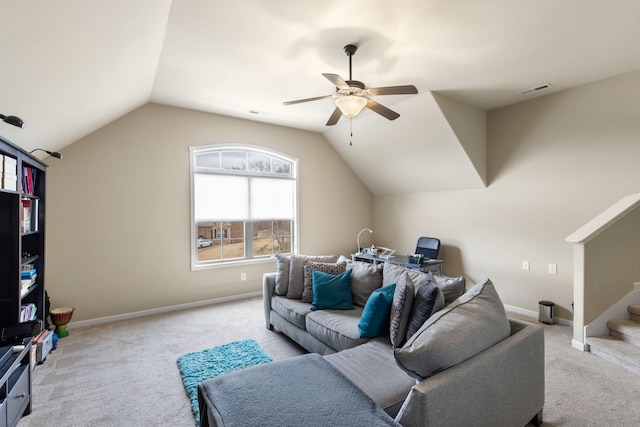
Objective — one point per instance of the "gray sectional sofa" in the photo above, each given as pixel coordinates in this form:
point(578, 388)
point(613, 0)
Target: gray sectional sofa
point(467, 364)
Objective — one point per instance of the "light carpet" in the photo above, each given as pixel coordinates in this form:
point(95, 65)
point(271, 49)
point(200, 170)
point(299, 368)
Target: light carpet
point(199, 366)
point(124, 373)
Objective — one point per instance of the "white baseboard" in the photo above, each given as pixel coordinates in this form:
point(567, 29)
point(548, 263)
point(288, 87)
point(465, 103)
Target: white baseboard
point(534, 315)
point(579, 346)
point(522, 311)
point(136, 314)
point(125, 316)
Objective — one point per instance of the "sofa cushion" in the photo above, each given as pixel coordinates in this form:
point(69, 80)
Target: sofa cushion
point(401, 310)
point(365, 278)
point(391, 273)
point(325, 267)
point(292, 310)
point(375, 316)
point(372, 367)
point(296, 272)
point(332, 291)
point(452, 287)
point(336, 328)
point(429, 299)
point(282, 273)
point(471, 324)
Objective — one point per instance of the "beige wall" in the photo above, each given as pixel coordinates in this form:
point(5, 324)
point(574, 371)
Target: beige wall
point(118, 237)
point(609, 275)
point(118, 204)
point(554, 163)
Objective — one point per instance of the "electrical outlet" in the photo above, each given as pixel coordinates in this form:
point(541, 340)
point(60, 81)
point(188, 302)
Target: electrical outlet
point(553, 268)
point(243, 276)
point(525, 265)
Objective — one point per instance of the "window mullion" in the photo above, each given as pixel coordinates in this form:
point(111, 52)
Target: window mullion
point(248, 227)
point(248, 238)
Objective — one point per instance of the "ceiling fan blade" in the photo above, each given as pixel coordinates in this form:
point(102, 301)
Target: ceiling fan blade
point(393, 90)
point(336, 80)
point(335, 116)
point(298, 101)
point(382, 110)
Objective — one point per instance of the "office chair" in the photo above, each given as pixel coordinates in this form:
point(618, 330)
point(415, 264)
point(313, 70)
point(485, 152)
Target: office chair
point(429, 247)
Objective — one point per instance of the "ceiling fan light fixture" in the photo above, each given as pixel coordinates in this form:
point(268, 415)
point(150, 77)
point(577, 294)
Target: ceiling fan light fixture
point(351, 105)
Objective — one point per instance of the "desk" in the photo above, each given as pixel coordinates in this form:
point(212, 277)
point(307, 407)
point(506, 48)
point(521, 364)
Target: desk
point(434, 265)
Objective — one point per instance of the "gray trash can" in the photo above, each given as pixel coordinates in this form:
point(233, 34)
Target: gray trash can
point(546, 312)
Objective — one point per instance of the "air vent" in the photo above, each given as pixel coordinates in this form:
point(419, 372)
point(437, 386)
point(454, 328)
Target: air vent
point(538, 88)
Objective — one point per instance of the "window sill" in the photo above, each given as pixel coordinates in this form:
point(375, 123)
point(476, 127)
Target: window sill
point(241, 263)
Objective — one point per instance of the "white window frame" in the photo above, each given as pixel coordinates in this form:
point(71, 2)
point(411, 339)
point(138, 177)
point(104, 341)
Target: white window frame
point(193, 151)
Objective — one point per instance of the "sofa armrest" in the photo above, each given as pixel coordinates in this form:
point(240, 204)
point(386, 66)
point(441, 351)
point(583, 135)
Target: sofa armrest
point(503, 385)
point(268, 289)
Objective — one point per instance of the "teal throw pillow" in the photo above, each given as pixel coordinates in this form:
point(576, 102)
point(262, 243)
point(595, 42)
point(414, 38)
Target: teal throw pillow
point(376, 313)
point(332, 292)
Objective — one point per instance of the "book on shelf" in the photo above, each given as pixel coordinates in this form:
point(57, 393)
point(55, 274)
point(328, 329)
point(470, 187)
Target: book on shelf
point(9, 181)
point(26, 288)
point(25, 283)
point(10, 165)
point(28, 312)
point(26, 215)
point(9, 173)
point(28, 273)
point(28, 180)
point(29, 221)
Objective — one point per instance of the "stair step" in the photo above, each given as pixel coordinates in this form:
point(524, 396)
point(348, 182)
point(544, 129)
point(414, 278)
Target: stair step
point(616, 351)
point(626, 330)
point(634, 311)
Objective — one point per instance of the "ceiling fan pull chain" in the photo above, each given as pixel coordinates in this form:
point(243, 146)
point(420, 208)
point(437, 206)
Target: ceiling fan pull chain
point(350, 132)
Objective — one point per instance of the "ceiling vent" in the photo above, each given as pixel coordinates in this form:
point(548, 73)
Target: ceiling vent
point(535, 89)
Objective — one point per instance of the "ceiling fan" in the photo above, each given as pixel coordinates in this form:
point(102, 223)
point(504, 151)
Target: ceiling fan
point(352, 95)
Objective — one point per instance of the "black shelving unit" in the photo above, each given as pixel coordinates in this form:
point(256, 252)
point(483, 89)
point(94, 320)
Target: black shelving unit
point(22, 231)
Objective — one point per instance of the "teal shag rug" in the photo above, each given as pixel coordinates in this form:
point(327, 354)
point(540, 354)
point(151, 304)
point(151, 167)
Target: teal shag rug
point(201, 365)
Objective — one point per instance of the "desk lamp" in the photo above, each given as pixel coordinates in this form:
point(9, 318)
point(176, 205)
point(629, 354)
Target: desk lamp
point(12, 120)
point(358, 239)
point(51, 153)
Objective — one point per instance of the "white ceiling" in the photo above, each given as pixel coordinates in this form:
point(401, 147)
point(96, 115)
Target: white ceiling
point(71, 66)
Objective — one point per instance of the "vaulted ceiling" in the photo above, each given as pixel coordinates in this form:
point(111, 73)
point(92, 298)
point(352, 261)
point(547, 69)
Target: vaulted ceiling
point(69, 67)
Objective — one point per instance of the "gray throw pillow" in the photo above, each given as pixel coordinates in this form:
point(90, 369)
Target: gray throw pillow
point(391, 273)
point(429, 300)
point(468, 326)
point(296, 272)
point(282, 273)
point(325, 267)
point(365, 278)
point(452, 287)
point(401, 310)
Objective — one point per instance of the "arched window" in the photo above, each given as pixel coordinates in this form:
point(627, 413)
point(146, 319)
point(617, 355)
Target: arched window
point(243, 204)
